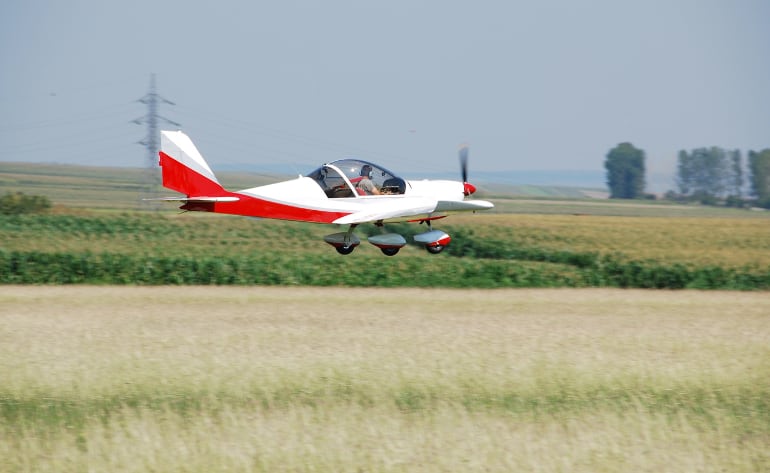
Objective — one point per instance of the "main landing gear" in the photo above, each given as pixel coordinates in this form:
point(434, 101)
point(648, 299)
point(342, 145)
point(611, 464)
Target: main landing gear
point(344, 242)
point(389, 243)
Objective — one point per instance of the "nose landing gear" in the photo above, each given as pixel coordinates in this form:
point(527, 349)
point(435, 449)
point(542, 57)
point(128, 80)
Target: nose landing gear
point(435, 240)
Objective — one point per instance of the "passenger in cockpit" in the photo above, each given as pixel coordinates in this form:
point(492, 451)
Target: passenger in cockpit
point(364, 185)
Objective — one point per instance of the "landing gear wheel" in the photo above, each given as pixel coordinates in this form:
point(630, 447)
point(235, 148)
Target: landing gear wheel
point(345, 250)
point(389, 251)
point(434, 249)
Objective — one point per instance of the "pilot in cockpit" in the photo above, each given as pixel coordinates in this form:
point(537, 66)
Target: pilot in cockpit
point(365, 185)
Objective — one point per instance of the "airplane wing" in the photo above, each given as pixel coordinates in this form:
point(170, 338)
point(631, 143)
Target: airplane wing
point(389, 209)
point(411, 207)
point(462, 205)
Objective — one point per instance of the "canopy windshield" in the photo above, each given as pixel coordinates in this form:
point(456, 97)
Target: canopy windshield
point(341, 178)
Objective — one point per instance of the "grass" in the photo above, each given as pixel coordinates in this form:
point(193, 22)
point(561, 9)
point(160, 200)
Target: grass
point(264, 378)
point(332, 379)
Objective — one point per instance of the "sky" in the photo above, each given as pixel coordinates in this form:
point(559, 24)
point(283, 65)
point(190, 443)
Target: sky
point(543, 86)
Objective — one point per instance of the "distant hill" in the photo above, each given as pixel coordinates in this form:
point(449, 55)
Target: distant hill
point(123, 188)
point(99, 186)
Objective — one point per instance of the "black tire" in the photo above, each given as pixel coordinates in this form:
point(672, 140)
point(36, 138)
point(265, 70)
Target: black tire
point(345, 250)
point(435, 249)
point(389, 251)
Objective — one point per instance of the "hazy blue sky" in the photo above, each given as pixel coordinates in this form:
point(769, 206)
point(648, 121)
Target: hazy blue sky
point(545, 85)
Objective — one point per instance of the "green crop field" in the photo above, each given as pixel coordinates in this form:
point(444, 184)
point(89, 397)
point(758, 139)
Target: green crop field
point(488, 250)
point(205, 379)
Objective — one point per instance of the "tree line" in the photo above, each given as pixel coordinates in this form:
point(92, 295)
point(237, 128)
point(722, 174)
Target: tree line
point(711, 176)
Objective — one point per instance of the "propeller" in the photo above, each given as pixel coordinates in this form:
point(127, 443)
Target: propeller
point(468, 188)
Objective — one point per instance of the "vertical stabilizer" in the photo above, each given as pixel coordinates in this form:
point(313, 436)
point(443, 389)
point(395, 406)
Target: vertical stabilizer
point(184, 169)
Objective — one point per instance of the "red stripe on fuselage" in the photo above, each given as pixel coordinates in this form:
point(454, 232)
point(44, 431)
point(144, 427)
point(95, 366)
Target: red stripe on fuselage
point(255, 207)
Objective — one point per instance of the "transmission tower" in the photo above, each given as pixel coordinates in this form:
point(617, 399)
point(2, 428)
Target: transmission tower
point(152, 181)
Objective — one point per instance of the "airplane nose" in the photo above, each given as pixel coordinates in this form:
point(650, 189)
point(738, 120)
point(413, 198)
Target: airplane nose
point(468, 188)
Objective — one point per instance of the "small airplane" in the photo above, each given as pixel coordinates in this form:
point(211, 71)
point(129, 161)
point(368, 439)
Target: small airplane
point(345, 192)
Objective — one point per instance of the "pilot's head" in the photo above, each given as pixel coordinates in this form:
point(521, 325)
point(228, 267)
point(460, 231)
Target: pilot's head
point(366, 171)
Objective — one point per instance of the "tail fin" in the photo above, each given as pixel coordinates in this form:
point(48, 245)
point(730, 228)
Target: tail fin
point(184, 169)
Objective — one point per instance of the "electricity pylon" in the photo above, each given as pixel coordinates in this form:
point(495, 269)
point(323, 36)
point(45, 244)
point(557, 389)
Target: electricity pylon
point(152, 179)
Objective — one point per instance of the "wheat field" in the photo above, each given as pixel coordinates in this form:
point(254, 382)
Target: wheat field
point(278, 379)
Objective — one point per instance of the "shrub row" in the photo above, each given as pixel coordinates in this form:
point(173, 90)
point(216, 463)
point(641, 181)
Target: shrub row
point(18, 203)
point(32, 267)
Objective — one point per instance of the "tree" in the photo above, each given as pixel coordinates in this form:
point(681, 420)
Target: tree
point(737, 173)
point(625, 171)
point(707, 174)
point(686, 171)
point(759, 165)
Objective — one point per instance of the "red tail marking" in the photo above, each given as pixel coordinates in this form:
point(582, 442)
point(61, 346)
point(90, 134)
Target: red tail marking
point(178, 177)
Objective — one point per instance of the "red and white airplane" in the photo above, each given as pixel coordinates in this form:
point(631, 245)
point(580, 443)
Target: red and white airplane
point(345, 192)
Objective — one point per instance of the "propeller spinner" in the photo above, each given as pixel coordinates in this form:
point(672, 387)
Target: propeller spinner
point(468, 188)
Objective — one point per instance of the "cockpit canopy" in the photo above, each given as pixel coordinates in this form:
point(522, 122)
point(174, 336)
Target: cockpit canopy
point(341, 178)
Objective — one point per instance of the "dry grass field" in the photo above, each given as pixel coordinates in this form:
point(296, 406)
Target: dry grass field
point(194, 379)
